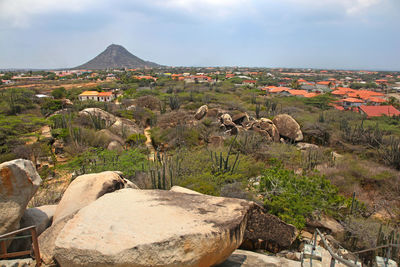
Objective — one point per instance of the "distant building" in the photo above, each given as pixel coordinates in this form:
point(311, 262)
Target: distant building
point(352, 102)
point(376, 111)
point(96, 96)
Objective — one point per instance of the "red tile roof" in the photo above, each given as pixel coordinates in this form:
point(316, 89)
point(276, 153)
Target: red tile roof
point(105, 94)
point(376, 100)
point(376, 111)
point(297, 92)
point(353, 100)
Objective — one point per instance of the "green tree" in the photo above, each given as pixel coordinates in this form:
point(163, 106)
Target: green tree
point(59, 93)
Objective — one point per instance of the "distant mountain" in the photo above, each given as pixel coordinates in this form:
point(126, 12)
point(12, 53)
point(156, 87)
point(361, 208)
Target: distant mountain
point(115, 57)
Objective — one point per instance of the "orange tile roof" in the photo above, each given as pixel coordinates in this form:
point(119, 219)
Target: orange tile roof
point(89, 93)
point(278, 89)
point(377, 100)
point(376, 111)
point(325, 83)
point(308, 95)
point(353, 100)
point(297, 92)
point(105, 94)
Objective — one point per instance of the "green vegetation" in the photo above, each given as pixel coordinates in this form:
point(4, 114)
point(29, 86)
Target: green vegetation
point(294, 198)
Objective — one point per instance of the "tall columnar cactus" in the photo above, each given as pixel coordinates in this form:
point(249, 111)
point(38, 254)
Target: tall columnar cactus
point(221, 164)
point(164, 170)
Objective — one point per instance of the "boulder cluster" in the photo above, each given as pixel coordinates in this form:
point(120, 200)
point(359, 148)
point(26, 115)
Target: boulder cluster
point(105, 220)
point(281, 127)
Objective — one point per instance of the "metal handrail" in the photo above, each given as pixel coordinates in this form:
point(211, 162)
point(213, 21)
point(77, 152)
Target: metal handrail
point(9, 236)
point(333, 255)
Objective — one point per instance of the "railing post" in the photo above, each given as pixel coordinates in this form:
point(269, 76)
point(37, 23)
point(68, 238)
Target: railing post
point(36, 247)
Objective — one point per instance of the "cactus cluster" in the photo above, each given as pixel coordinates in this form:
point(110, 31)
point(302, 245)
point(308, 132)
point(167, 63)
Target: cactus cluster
point(164, 170)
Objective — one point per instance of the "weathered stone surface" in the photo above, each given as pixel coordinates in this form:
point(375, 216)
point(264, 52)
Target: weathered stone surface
point(115, 146)
point(267, 125)
point(19, 181)
point(152, 228)
point(226, 119)
point(85, 189)
point(243, 258)
point(48, 238)
point(240, 118)
point(179, 189)
point(306, 146)
point(201, 112)
point(108, 136)
point(288, 127)
point(129, 184)
point(327, 223)
point(116, 125)
point(42, 217)
point(266, 231)
point(28, 262)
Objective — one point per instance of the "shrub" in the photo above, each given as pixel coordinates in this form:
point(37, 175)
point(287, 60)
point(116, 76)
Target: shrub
point(294, 198)
point(136, 139)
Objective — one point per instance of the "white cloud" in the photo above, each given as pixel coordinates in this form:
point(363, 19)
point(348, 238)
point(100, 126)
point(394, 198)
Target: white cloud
point(348, 6)
point(17, 13)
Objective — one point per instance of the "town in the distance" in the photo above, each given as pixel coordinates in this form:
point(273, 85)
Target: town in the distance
point(125, 162)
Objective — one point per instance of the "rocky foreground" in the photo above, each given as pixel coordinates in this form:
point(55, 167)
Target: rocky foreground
point(105, 220)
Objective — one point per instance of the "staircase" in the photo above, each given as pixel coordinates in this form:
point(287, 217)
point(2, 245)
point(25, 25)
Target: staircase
point(316, 256)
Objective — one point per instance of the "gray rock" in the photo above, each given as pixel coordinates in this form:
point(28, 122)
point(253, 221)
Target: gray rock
point(243, 258)
point(85, 189)
point(201, 112)
point(19, 181)
point(152, 228)
point(17, 263)
point(115, 146)
point(288, 127)
point(42, 217)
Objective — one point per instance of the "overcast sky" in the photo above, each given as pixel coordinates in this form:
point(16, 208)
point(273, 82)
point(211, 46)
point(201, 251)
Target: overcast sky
point(341, 34)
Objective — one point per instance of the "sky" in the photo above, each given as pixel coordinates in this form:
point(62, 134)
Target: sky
point(327, 34)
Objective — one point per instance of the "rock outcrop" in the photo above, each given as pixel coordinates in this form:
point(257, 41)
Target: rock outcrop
point(150, 228)
point(201, 112)
point(85, 189)
point(116, 125)
point(288, 127)
point(266, 231)
point(19, 181)
point(243, 258)
point(42, 217)
point(115, 146)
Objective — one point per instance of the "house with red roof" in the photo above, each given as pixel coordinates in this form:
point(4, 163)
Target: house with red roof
point(376, 111)
point(352, 102)
point(96, 96)
point(249, 82)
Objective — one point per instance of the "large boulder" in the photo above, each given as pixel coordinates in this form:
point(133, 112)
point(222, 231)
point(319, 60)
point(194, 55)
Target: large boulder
point(85, 189)
point(226, 119)
point(267, 128)
point(151, 228)
point(19, 181)
point(266, 231)
point(328, 224)
point(288, 127)
point(201, 112)
point(240, 118)
point(42, 217)
point(28, 262)
point(48, 239)
point(119, 126)
point(115, 146)
point(243, 258)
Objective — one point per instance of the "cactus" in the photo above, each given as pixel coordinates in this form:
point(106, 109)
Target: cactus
point(221, 164)
point(163, 171)
point(174, 102)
